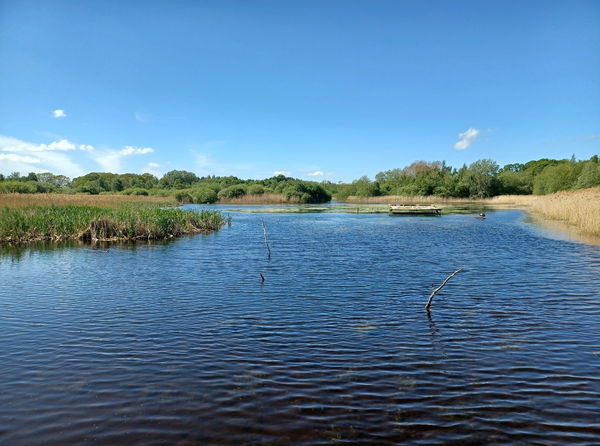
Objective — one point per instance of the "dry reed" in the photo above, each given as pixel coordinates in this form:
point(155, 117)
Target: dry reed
point(407, 199)
point(106, 201)
point(255, 199)
point(579, 208)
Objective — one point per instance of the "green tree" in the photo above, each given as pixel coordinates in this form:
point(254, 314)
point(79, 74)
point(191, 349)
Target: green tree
point(590, 174)
point(178, 179)
point(480, 178)
point(557, 177)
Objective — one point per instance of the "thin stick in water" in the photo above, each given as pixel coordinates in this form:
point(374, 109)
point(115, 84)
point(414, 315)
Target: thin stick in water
point(440, 287)
point(262, 278)
point(266, 241)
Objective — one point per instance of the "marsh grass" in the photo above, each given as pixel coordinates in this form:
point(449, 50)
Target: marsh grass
point(578, 208)
point(407, 199)
point(25, 200)
point(256, 199)
point(92, 223)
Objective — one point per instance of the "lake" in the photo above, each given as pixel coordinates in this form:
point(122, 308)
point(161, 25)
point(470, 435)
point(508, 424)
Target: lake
point(181, 343)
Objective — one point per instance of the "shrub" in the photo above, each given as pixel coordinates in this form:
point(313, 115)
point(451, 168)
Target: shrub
point(203, 194)
point(135, 191)
point(237, 190)
point(183, 196)
point(21, 187)
point(256, 189)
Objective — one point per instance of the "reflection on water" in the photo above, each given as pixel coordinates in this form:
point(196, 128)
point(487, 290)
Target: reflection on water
point(181, 343)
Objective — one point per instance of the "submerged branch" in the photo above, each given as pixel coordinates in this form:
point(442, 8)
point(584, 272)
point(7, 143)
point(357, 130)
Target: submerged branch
point(266, 240)
point(440, 287)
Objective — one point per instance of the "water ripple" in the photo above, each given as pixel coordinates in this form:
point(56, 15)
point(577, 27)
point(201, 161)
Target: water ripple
point(181, 343)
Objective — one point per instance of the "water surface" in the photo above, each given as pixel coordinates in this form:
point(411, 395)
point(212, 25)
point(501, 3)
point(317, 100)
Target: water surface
point(181, 343)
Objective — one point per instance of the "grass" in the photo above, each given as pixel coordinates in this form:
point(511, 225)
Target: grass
point(93, 223)
point(24, 200)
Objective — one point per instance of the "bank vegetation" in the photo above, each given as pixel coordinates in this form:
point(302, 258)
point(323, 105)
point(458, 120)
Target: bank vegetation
point(93, 223)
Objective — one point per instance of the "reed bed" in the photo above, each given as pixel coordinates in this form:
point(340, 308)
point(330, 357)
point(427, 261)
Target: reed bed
point(579, 208)
point(25, 200)
point(92, 223)
point(256, 199)
point(407, 199)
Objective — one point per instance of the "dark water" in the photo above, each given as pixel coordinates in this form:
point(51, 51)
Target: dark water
point(181, 344)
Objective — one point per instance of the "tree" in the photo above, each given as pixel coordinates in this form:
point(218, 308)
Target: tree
point(589, 176)
point(562, 176)
point(364, 187)
point(178, 179)
point(480, 178)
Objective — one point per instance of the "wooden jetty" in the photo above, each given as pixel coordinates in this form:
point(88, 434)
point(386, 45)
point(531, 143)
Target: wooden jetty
point(414, 209)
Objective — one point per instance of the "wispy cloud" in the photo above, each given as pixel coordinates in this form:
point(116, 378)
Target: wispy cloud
point(19, 158)
point(112, 160)
point(466, 138)
point(130, 150)
point(285, 173)
point(9, 144)
point(153, 168)
point(58, 113)
point(316, 173)
point(24, 156)
point(141, 117)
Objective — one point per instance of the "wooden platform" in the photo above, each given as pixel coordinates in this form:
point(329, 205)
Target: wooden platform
point(414, 209)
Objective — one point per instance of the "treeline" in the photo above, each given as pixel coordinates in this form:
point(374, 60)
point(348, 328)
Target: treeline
point(185, 186)
point(481, 179)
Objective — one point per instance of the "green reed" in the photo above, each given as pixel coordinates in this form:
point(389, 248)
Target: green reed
point(92, 223)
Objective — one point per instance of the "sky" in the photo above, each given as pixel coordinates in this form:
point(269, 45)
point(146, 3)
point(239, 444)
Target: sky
point(319, 90)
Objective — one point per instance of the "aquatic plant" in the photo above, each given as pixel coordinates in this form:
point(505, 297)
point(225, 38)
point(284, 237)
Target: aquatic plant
point(91, 223)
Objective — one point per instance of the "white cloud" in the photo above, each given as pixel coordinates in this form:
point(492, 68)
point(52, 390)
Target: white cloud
point(18, 158)
point(112, 160)
point(153, 168)
point(316, 173)
point(130, 150)
point(285, 173)
point(62, 145)
point(58, 113)
point(466, 138)
point(9, 144)
point(23, 156)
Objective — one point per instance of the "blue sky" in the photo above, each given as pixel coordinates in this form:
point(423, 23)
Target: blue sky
point(323, 90)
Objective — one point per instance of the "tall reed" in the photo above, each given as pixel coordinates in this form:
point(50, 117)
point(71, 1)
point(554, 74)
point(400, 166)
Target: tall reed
point(91, 223)
point(267, 198)
point(23, 200)
point(406, 199)
point(579, 208)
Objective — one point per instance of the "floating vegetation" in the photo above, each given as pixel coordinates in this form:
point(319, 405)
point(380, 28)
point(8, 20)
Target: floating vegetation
point(89, 223)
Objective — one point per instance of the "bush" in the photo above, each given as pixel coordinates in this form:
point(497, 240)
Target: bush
point(256, 189)
point(135, 191)
point(183, 196)
point(20, 187)
point(203, 194)
point(237, 190)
